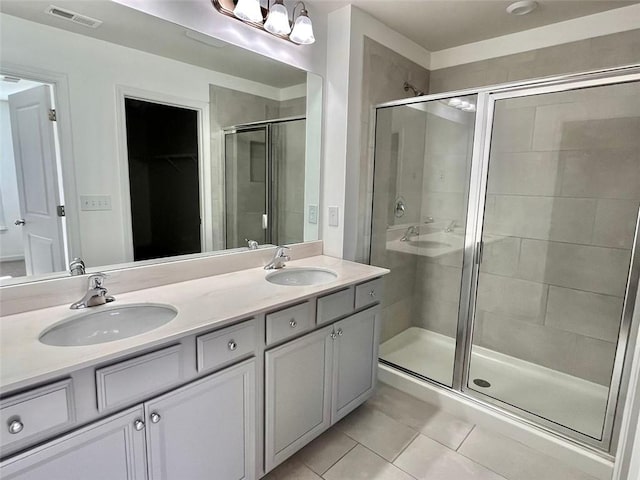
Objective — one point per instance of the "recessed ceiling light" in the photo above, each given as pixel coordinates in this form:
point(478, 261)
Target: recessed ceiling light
point(522, 8)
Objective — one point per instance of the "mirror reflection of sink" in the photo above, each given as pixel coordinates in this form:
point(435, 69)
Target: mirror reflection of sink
point(302, 276)
point(108, 324)
point(428, 244)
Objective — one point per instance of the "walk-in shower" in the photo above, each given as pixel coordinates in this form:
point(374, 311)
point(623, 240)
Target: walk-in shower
point(264, 166)
point(512, 256)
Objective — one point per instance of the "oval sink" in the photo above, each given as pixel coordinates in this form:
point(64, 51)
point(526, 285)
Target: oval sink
point(108, 324)
point(302, 276)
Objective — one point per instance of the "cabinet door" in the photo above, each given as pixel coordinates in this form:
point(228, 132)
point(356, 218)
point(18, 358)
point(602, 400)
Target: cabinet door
point(111, 449)
point(297, 394)
point(205, 430)
point(355, 357)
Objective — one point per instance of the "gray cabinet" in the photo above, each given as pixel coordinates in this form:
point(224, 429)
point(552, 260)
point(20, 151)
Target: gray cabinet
point(355, 360)
point(204, 430)
point(315, 380)
point(297, 394)
point(111, 449)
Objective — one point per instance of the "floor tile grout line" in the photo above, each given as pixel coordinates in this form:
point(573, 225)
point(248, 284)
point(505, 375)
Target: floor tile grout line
point(482, 465)
point(390, 463)
point(341, 457)
point(466, 437)
point(417, 434)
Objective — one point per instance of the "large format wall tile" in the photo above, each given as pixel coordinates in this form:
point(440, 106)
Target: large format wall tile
point(501, 257)
point(610, 173)
point(615, 223)
point(594, 360)
point(539, 344)
point(543, 218)
point(436, 315)
point(438, 282)
point(512, 129)
point(505, 295)
point(586, 313)
point(594, 269)
point(524, 173)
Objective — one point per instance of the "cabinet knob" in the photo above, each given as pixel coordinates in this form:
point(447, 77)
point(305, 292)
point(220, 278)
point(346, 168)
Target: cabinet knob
point(232, 345)
point(155, 417)
point(339, 332)
point(333, 335)
point(372, 293)
point(15, 426)
point(293, 323)
point(138, 425)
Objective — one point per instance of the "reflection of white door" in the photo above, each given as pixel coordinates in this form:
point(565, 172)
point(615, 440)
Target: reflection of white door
point(35, 157)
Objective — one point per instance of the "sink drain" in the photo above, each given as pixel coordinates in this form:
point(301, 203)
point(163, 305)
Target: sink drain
point(481, 382)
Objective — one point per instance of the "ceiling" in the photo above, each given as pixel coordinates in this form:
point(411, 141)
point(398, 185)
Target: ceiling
point(440, 24)
point(130, 28)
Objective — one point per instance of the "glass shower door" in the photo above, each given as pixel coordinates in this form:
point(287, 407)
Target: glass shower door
point(421, 187)
point(560, 216)
point(246, 187)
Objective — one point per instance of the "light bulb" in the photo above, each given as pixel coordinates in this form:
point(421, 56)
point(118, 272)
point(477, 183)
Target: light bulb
point(454, 102)
point(248, 11)
point(278, 19)
point(302, 30)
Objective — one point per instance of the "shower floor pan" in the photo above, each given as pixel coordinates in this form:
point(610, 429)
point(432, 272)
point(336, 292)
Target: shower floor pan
point(567, 400)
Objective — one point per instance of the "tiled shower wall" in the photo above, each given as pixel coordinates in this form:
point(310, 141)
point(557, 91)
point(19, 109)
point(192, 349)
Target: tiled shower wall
point(383, 78)
point(564, 190)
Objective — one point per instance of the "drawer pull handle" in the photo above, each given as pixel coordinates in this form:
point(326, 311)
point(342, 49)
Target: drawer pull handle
point(15, 426)
point(339, 332)
point(138, 425)
point(293, 323)
point(232, 345)
point(155, 417)
point(372, 293)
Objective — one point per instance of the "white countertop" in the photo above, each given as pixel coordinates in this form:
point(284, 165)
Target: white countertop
point(202, 304)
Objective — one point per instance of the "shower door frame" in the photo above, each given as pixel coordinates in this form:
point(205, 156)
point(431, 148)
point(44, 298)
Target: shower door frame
point(486, 98)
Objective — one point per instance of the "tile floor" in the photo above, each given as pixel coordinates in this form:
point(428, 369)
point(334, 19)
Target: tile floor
point(397, 437)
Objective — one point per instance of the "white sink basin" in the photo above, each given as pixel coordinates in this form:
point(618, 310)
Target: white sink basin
point(302, 276)
point(108, 324)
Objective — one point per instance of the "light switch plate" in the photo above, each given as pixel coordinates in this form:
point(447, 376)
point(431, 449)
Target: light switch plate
point(334, 216)
point(313, 214)
point(95, 202)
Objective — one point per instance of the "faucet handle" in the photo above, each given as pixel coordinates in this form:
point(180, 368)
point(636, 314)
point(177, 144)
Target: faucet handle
point(280, 251)
point(97, 279)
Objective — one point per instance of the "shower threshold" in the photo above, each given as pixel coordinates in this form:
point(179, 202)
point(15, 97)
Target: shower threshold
point(564, 399)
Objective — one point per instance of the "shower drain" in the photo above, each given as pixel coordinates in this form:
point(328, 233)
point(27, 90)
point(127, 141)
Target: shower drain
point(481, 382)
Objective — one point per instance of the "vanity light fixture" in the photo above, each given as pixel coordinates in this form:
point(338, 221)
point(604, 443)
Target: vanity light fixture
point(277, 18)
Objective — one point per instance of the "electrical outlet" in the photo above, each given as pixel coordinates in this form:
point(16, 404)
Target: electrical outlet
point(313, 214)
point(334, 216)
point(95, 202)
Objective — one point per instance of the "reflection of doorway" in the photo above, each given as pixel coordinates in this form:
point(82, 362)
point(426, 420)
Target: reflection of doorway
point(164, 179)
point(32, 239)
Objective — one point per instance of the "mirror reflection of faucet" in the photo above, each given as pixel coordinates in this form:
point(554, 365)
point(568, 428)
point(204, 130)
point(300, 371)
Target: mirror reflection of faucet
point(252, 244)
point(450, 227)
point(412, 231)
point(400, 207)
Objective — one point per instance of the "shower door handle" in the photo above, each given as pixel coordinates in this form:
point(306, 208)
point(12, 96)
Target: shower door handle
point(265, 221)
point(479, 249)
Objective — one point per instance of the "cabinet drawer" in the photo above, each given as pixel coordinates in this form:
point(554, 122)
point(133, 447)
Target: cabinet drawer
point(335, 305)
point(369, 293)
point(226, 345)
point(36, 412)
point(131, 380)
point(289, 322)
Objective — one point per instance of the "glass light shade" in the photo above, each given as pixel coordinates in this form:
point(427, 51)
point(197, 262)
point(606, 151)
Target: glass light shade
point(302, 30)
point(278, 20)
point(249, 11)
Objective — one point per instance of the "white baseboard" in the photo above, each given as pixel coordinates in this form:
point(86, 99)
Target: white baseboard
point(473, 412)
point(11, 258)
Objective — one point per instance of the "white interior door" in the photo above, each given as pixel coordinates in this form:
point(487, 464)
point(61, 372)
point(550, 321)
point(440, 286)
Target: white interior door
point(35, 157)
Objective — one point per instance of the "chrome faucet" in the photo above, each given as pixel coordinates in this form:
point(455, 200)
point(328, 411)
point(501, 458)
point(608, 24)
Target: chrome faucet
point(96, 295)
point(252, 244)
point(278, 259)
point(412, 231)
point(450, 227)
point(77, 267)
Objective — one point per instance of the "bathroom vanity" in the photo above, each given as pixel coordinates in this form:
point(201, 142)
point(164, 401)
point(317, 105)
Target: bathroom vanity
point(244, 375)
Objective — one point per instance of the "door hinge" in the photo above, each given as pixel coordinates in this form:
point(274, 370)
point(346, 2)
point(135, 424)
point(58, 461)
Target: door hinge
point(60, 209)
point(52, 115)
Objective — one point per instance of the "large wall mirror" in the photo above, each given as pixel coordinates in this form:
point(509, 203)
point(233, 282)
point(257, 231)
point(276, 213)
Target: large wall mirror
point(127, 138)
